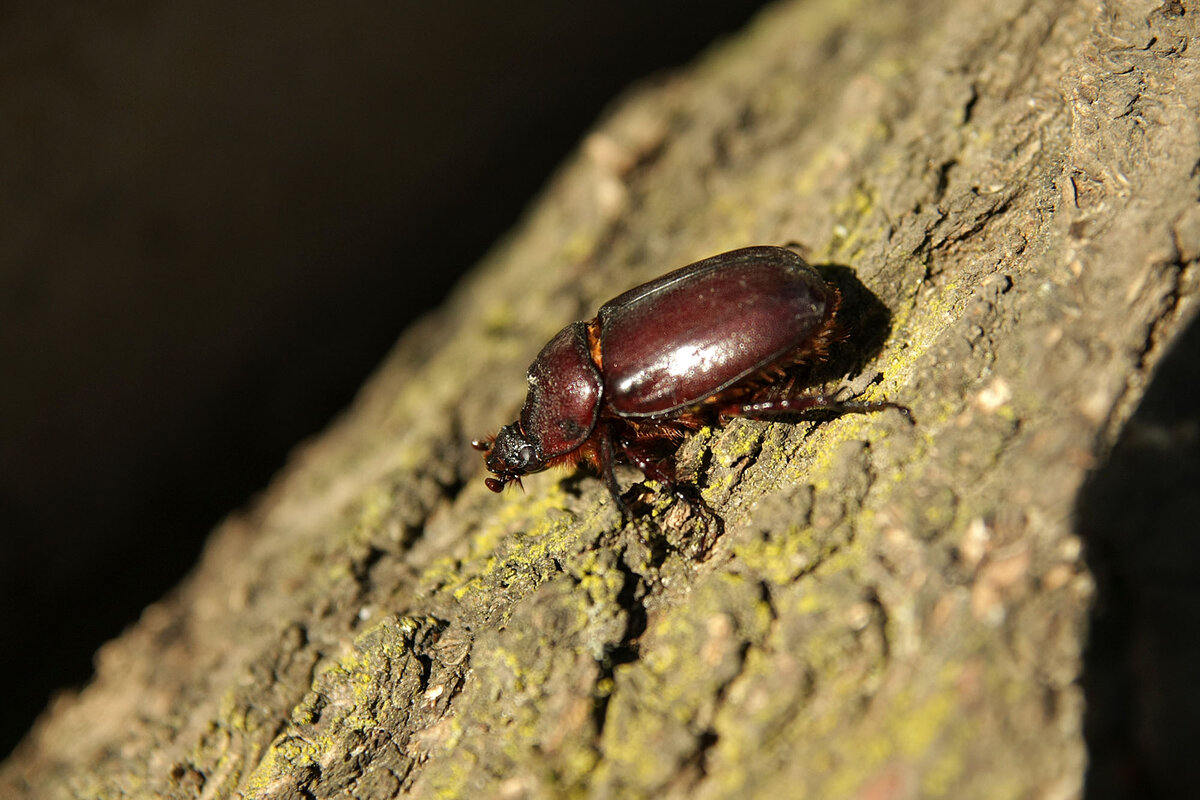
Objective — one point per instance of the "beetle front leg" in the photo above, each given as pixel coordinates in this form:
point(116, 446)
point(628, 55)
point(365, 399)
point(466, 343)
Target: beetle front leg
point(608, 472)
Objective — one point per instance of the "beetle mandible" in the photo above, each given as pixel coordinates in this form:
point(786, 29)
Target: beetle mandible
point(699, 345)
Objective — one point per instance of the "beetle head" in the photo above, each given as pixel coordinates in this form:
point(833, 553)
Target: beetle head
point(509, 456)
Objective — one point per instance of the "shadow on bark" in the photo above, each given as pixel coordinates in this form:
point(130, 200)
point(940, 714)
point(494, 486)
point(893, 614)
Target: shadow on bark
point(1137, 515)
point(864, 322)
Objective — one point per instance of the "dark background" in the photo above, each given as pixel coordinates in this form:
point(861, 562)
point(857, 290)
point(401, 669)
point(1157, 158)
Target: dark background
point(214, 221)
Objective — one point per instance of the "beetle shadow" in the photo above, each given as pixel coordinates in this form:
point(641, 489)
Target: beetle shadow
point(863, 324)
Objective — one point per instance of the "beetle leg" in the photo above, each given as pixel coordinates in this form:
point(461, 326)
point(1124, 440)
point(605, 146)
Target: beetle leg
point(782, 406)
point(662, 470)
point(656, 469)
point(607, 472)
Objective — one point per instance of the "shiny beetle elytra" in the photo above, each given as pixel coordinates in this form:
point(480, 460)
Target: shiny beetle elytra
point(704, 343)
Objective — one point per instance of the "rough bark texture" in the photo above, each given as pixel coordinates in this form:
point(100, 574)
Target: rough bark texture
point(887, 612)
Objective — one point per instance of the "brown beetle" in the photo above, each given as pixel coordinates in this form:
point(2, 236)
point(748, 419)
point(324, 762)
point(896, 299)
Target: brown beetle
point(704, 343)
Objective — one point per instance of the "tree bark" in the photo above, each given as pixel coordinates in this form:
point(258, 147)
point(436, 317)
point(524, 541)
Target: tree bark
point(884, 610)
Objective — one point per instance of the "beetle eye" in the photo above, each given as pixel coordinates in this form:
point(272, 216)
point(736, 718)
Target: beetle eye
point(525, 455)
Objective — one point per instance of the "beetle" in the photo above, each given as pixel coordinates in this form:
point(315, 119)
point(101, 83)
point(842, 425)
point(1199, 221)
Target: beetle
point(697, 346)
